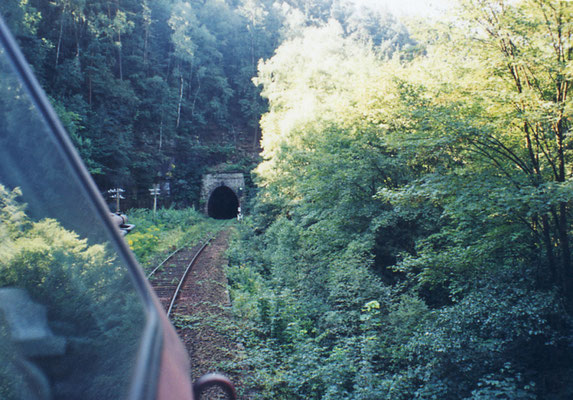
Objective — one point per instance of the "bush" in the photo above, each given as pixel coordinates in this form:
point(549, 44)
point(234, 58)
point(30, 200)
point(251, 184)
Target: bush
point(170, 229)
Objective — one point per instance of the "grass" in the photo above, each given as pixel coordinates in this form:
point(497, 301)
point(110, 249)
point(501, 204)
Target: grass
point(171, 229)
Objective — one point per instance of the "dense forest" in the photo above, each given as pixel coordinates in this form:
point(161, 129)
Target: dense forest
point(411, 237)
point(156, 91)
point(409, 227)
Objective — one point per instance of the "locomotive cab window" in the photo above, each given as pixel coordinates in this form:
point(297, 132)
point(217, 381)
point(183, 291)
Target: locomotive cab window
point(74, 319)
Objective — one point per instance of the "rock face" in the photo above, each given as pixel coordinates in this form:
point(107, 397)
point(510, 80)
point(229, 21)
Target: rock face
point(235, 181)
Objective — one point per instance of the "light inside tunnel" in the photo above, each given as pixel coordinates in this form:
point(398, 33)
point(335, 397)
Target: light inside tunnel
point(223, 203)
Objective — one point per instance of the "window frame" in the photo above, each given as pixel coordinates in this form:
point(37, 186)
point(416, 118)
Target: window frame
point(144, 380)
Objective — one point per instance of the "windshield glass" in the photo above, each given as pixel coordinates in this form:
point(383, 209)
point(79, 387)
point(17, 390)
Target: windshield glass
point(70, 317)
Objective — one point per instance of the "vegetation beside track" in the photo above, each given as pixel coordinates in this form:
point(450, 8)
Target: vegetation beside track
point(153, 237)
point(205, 324)
point(411, 233)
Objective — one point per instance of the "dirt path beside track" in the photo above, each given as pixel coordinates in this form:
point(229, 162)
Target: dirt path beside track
point(203, 316)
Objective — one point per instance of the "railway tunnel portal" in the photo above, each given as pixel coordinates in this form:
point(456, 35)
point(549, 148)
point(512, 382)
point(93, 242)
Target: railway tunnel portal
point(221, 194)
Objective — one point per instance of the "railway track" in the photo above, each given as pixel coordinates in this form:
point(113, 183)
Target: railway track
point(195, 295)
point(168, 277)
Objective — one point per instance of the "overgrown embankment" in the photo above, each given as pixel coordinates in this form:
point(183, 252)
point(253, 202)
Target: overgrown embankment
point(169, 229)
point(411, 237)
point(203, 316)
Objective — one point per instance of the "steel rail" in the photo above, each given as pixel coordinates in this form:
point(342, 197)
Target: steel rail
point(164, 261)
point(174, 298)
point(169, 257)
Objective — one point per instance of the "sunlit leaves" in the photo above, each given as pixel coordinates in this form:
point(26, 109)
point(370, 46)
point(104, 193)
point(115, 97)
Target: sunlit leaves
point(431, 185)
point(183, 22)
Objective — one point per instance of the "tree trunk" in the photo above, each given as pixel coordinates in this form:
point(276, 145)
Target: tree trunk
point(180, 101)
point(120, 58)
point(60, 35)
point(147, 24)
point(549, 247)
point(161, 132)
point(565, 250)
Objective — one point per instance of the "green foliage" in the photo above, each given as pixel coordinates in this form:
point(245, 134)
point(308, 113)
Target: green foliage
point(144, 243)
point(170, 229)
point(410, 238)
point(88, 297)
point(145, 84)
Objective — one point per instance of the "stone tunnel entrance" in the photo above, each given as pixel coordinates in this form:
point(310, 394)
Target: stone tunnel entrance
point(221, 194)
point(223, 203)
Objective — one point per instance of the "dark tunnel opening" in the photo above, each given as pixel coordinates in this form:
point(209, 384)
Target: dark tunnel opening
point(223, 203)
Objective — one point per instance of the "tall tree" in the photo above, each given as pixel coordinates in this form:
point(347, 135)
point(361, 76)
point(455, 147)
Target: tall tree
point(526, 49)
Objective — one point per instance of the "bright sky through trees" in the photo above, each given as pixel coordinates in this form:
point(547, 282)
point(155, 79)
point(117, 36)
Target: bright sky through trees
point(418, 8)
